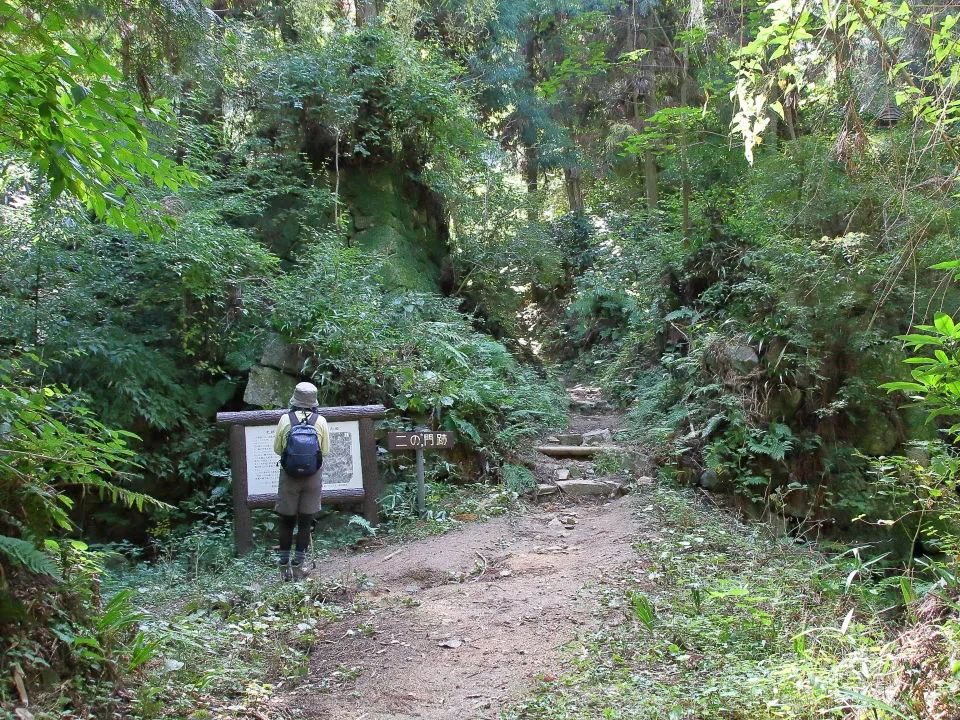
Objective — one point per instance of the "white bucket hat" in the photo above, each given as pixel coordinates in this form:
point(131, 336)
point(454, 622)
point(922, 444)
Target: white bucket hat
point(304, 396)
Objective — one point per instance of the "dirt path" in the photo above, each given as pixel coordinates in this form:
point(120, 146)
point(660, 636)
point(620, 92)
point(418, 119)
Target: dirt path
point(459, 625)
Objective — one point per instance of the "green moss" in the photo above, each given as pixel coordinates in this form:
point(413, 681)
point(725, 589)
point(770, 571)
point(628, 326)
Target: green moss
point(392, 219)
point(407, 269)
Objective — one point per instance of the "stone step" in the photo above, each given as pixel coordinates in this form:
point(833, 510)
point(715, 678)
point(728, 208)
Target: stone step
point(574, 450)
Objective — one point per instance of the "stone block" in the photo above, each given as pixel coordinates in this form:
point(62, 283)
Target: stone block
point(268, 387)
point(709, 480)
point(742, 358)
point(584, 488)
point(283, 356)
point(598, 437)
point(571, 439)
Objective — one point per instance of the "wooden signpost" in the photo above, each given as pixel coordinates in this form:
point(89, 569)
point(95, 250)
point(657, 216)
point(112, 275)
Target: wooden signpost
point(349, 470)
point(420, 439)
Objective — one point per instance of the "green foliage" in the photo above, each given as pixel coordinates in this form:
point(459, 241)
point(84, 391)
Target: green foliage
point(225, 638)
point(74, 649)
point(740, 453)
point(54, 451)
point(814, 298)
point(53, 446)
point(21, 552)
point(414, 352)
point(917, 497)
point(70, 113)
point(722, 621)
point(448, 506)
point(936, 379)
point(642, 608)
point(401, 514)
point(518, 479)
point(154, 335)
point(775, 69)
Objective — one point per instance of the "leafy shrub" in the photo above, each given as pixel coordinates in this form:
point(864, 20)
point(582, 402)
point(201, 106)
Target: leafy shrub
point(719, 620)
point(56, 626)
point(936, 380)
point(414, 352)
point(518, 479)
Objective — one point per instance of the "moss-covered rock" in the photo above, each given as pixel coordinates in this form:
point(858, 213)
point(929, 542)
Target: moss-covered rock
point(396, 218)
point(270, 388)
point(875, 433)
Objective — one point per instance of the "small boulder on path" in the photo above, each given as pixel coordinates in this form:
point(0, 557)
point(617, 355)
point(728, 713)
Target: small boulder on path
point(584, 488)
point(598, 437)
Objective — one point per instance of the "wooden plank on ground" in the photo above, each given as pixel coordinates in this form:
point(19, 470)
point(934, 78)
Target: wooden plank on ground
point(575, 450)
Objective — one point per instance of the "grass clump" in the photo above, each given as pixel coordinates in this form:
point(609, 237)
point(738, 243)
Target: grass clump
point(226, 640)
point(721, 621)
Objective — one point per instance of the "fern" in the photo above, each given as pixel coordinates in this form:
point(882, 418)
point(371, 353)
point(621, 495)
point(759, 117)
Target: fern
point(362, 523)
point(712, 425)
point(24, 553)
point(775, 443)
point(119, 495)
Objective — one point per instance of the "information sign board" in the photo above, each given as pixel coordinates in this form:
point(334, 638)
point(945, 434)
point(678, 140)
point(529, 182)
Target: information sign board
point(341, 466)
point(349, 469)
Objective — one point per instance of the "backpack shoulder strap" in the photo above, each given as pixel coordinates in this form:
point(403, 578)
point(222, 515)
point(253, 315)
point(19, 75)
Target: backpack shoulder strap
point(313, 417)
point(294, 420)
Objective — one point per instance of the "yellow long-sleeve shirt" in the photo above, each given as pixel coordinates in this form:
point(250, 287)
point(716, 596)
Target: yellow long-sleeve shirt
point(283, 430)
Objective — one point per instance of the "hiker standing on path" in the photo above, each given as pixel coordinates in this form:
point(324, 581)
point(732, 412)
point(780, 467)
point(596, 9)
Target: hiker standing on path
point(299, 495)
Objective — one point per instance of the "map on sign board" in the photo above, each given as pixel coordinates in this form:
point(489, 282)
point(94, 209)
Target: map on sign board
point(341, 467)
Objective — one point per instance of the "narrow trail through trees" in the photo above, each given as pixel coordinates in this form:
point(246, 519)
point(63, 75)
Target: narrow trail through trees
point(460, 625)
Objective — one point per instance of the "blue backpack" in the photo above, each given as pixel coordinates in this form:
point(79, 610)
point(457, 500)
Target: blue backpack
point(301, 456)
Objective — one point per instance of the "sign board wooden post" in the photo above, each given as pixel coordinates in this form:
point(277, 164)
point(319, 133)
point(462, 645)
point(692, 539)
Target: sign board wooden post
point(349, 470)
point(420, 439)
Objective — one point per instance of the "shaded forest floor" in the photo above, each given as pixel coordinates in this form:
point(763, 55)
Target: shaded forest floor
point(463, 624)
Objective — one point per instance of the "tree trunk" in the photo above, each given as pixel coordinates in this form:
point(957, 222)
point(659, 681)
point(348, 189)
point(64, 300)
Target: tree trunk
point(528, 134)
point(531, 171)
point(648, 79)
point(697, 16)
point(573, 181)
point(649, 161)
point(687, 191)
point(347, 9)
point(366, 12)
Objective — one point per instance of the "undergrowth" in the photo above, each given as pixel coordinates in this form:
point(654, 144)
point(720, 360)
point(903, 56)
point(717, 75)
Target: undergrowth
point(447, 506)
point(721, 621)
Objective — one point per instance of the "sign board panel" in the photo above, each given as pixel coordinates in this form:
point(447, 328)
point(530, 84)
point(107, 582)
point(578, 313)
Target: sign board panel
point(341, 467)
point(420, 440)
point(349, 470)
